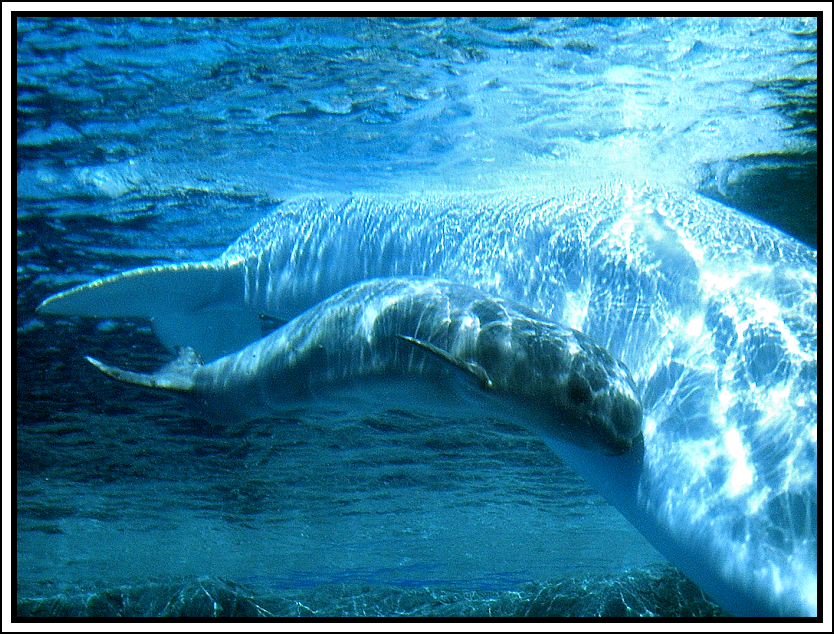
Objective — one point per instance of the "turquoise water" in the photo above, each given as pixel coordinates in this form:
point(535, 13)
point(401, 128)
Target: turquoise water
point(144, 141)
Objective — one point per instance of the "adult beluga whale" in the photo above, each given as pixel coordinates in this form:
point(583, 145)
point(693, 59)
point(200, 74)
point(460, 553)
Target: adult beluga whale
point(714, 313)
point(398, 342)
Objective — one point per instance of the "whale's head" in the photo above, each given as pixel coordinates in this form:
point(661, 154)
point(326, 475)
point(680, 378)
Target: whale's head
point(562, 383)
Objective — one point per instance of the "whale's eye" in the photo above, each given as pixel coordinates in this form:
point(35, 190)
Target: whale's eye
point(579, 391)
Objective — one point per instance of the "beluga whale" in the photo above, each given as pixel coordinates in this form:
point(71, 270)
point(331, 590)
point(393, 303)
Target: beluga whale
point(712, 312)
point(406, 341)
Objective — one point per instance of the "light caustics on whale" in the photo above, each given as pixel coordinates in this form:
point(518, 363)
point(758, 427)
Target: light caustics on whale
point(419, 340)
point(714, 313)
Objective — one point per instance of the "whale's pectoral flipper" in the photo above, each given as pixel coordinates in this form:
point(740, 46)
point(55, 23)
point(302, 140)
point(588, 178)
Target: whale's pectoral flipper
point(177, 375)
point(195, 304)
point(473, 370)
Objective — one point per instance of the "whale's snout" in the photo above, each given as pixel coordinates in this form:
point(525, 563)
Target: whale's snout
point(625, 422)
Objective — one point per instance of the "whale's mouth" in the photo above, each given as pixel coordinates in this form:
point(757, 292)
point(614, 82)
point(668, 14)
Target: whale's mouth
point(611, 444)
point(609, 423)
point(623, 445)
point(626, 423)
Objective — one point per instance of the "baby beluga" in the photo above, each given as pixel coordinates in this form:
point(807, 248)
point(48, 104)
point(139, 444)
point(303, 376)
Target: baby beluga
point(394, 342)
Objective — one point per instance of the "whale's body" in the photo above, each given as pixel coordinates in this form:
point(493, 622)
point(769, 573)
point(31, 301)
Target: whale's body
point(388, 341)
point(713, 313)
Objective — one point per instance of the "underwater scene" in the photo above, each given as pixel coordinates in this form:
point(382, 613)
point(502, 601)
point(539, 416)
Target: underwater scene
point(429, 317)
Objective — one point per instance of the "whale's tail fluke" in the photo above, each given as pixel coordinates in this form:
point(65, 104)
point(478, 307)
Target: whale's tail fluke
point(177, 375)
point(195, 304)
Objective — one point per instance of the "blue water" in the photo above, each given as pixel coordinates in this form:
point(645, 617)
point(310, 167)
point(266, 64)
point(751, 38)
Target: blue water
point(157, 140)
